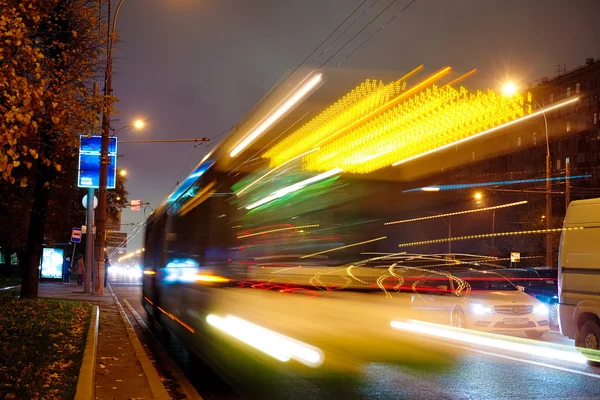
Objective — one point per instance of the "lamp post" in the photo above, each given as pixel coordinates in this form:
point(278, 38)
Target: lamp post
point(137, 124)
point(104, 159)
point(549, 260)
point(510, 89)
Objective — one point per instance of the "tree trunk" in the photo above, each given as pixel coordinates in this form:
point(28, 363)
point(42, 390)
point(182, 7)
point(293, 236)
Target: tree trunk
point(35, 236)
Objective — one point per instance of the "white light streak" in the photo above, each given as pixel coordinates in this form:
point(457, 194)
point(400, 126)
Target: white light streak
point(523, 346)
point(276, 345)
point(277, 114)
point(292, 188)
point(273, 170)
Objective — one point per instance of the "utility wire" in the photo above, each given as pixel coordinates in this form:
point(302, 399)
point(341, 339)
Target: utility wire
point(186, 164)
point(347, 28)
point(270, 92)
point(359, 32)
point(374, 33)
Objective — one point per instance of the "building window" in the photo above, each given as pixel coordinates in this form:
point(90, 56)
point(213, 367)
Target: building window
point(577, 88)
point(568, 127)
point(557, 164)
point(587, 101)
point(534, 138)
point(551, 97)
point(519, 142)
point(595, 118)
point(568, 91)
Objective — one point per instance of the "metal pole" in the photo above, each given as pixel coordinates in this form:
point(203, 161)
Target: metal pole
point(567, 183)
point(549, 261)
point(549, 256)
point(89, 242)
point(104, 160)
point(72, 259)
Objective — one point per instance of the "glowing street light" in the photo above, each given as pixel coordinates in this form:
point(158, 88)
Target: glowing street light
point(123, 172)
point(138, 124)
point(509, 89)
point(478, 196)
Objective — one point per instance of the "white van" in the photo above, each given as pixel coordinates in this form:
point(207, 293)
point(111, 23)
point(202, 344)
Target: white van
point(579, 274)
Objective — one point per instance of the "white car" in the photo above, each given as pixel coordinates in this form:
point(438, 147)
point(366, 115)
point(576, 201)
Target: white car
point(483, 301)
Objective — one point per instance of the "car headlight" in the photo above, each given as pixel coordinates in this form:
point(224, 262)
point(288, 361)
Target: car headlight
point(541, 309)
point(480, 309)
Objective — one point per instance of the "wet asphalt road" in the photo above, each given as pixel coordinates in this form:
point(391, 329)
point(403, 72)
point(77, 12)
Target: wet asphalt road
point(471, 373)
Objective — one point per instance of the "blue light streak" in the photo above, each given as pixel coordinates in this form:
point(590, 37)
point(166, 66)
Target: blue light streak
point(484, 184)
point(189, 181)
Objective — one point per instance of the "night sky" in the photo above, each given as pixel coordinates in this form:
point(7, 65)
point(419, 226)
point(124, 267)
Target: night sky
point(193, 68)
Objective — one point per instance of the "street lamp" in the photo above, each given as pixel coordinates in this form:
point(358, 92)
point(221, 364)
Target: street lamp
point(138, 124)
point(510, 89)
point(478, 196)
point(123, 172)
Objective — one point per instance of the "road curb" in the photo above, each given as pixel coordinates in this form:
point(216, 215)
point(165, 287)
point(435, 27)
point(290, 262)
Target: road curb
point(10, 287)
point(159, 392)
point(86, 381)
point(188, 389)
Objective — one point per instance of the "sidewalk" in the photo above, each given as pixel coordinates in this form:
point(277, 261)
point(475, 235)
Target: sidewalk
point(119, 374)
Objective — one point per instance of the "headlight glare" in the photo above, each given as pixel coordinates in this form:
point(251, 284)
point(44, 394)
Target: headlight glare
point(480, 309)
point(541, 309)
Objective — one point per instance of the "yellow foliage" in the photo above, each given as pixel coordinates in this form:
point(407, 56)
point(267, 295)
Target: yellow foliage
point(41, 79)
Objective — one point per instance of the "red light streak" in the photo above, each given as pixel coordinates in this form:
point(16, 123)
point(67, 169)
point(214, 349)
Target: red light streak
point(174, 318)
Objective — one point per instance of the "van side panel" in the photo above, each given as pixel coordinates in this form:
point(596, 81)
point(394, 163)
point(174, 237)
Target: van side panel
point(579, 264)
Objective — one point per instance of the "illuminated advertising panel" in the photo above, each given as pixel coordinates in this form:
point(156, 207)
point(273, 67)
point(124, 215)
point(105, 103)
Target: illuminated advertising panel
point(52, 263)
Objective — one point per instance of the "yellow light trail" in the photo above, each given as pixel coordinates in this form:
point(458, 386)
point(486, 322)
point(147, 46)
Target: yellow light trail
point(541, 111)
point(389, 104)
point(273, 170)
point(462, 77)
point(344, 247)
point(488, 235)
point(361, 101)
point(198, 198)
point(518, 203)
point(428, 119)
point(278, 230)
point(211, 278)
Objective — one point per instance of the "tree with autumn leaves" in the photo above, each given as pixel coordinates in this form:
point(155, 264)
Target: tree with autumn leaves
point(50, 51)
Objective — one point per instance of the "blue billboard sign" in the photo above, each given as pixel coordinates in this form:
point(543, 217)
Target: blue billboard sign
point(89, 162)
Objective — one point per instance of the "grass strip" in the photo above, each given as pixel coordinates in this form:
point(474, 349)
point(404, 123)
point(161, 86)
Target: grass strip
point(41, 347)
